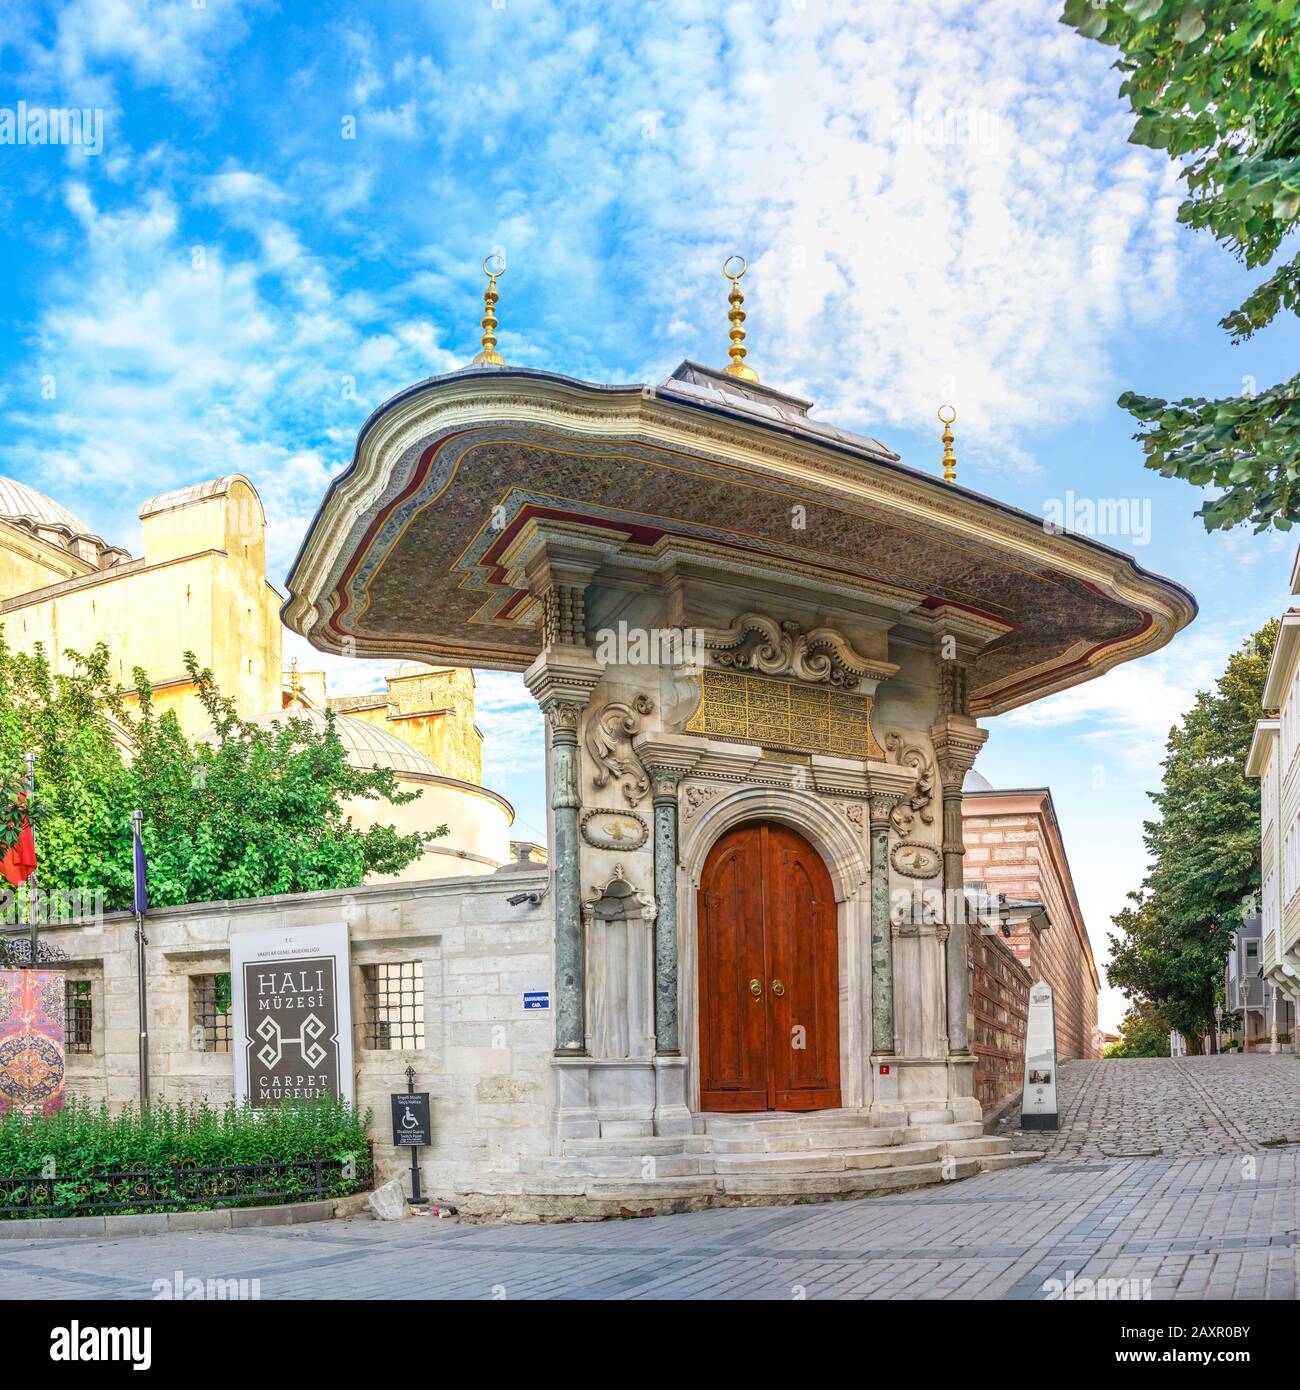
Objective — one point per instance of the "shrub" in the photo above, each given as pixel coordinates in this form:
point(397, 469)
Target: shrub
point(179, 1157)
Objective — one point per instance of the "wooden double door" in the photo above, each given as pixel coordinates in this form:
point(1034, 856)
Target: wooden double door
point(769, 974)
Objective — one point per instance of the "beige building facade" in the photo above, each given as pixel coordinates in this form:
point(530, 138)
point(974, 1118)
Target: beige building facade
point(200, 585)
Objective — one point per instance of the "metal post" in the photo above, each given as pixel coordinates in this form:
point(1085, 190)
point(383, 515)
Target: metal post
point(32, 925)
point(141, 987)
point(416, 1199)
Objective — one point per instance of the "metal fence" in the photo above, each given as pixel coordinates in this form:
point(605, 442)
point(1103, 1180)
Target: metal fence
point(185, 1187)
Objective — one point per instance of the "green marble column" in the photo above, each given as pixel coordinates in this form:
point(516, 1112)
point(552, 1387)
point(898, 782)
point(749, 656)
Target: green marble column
point(570, 986)
point(667, 1042)
point(882, 935)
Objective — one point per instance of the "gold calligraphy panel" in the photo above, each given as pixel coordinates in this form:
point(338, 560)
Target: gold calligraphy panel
point(784, 714)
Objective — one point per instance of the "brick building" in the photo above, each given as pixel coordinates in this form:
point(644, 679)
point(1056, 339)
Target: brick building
point(1014, 847)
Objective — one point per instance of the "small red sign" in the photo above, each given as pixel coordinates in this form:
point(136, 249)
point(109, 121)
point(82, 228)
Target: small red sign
point(884, 1071)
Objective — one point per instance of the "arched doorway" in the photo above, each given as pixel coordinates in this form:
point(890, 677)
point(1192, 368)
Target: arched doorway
point(769, 974)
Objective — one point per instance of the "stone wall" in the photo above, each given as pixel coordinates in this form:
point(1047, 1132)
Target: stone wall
point(1013, 844)
point(999, 1018)
point(485, 1062)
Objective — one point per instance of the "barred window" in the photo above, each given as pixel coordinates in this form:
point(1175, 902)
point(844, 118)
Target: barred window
point(394, 1005)
point(77, 1018)
point(210, 1024)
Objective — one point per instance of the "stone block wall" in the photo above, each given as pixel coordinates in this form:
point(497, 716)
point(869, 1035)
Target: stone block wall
point(485, 1060)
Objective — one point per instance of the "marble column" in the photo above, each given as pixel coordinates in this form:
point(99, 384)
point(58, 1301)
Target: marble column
point(664, 790)
point(570, 1024)
point(957, 740)
point(882, 934)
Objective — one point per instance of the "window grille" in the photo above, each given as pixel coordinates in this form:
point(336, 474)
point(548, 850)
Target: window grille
point(394, 1005)
point(78, 1022)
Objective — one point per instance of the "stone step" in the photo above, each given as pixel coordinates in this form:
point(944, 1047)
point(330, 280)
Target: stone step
point(689, 1144)
point(976, 1148)
point(827, 1160)
point(776, 1121)
point(606, 1165)
point(990, 1163)
point(895, 1179)
point(631, 1190)
point(846, 1137)
point(917, 1134)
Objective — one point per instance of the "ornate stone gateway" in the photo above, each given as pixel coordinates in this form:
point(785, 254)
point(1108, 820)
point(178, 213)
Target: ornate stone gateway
point(762, 645)
point(769, 978)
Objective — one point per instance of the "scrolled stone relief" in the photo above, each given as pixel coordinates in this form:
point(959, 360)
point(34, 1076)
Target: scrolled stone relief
point(609, 742)
point(919, 804)
point(617, 830)
point(854, 812)
point(822, 656)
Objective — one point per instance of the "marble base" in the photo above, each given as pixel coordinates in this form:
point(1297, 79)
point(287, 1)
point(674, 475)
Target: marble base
point(619, 1098)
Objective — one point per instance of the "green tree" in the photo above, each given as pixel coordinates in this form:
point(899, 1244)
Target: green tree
point(1143, 1032)
point(1204, 852)
point(1216, 84)
point(245, 812)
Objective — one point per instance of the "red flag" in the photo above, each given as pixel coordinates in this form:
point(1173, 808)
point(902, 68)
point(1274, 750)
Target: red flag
point(19, 862)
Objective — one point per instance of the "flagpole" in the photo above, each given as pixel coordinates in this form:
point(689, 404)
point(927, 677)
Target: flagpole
point(138, 902)
point(32, 927)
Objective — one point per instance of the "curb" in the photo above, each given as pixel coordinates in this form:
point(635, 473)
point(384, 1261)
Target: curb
point(158, 1222)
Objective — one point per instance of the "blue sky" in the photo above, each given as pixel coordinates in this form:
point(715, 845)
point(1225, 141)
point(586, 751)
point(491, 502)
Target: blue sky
point(286, 221)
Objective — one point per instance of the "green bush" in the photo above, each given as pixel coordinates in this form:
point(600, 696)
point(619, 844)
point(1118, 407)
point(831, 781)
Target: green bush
point(89, 1160)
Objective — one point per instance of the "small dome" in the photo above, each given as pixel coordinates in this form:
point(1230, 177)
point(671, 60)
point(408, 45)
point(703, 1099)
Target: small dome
point(976, 782)
point(366, 745)
point(17, 501)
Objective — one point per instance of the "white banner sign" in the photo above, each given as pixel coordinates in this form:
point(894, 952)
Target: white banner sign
point(292, 1006)
point(1038, 1095)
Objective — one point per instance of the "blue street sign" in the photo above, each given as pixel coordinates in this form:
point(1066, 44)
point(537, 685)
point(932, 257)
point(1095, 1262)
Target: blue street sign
point(537, 999)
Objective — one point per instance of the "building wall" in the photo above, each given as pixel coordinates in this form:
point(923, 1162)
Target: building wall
point(27, 562)
point(431, 710)
point(479, 820)
point(485, 1062)
point(1014, 845)
point(209, 599)
point(999, 1016)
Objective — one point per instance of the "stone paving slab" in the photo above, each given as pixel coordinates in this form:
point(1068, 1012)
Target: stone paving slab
point(1194, 1227)
point(1168, 1106)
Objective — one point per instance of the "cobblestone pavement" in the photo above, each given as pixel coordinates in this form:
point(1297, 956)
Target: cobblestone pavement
point(1193, 1227)
point(1171, 1106)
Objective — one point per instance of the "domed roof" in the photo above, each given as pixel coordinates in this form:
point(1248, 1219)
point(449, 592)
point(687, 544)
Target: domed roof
point(18, 500)
point(976, 782)
point(366, 744)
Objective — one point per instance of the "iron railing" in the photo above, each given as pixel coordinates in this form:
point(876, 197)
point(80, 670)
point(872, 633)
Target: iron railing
point(184, 1187)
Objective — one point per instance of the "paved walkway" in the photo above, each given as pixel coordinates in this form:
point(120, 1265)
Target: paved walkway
point(1173, 1107)
point(1189, 1228)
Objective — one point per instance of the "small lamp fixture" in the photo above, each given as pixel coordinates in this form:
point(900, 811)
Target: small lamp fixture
point(1004, 914)
point(736, 314)
point(494, 266)
point(949, 459)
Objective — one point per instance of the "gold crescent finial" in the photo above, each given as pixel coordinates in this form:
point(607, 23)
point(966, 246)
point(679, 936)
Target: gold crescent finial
point(736, 314)
point(494, 265)
point(949, 459)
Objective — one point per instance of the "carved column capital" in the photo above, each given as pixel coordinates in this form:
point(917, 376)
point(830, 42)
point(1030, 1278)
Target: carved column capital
point(957, 742)
point(883, 804)
point(664, 784)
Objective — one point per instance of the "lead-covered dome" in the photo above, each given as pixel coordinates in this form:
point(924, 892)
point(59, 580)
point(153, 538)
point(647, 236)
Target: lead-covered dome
point(366, 745)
